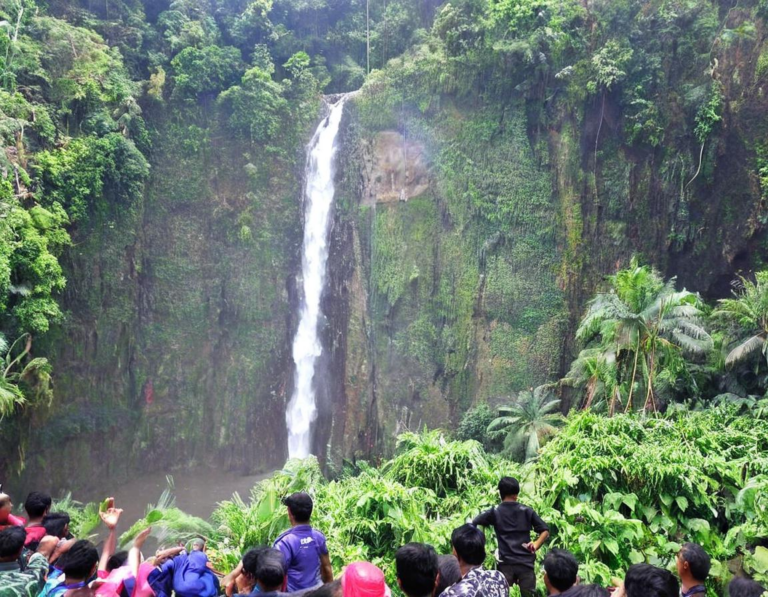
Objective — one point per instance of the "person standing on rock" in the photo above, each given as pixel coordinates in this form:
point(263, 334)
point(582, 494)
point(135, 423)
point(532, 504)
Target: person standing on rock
point(304, 548)
point(513, 523)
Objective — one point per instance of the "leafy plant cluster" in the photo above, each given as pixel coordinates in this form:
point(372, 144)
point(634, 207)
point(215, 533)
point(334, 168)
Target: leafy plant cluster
point(615, 491)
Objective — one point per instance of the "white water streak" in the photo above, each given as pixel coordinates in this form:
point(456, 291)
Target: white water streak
point(318, 198)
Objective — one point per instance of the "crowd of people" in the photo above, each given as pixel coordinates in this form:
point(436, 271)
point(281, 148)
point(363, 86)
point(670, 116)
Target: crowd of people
point(38, 557)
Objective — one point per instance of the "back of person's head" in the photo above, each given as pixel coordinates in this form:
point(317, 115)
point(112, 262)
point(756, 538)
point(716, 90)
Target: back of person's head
point(589, 591)
point(330, 589)
point(251, 560)
point(417, 568)
point(508, 486)
point(469, 543)
point(744, 587)
point(363, 579)
point(37, 504)
point(644, 580)
point(561, 569)
point(80, 561)
point(697, 560)
point(56, 524)
point(300, 505)
point(270, 569)
point(450, 573)
point(5, 500)
point(117, 560)
point(11, 542)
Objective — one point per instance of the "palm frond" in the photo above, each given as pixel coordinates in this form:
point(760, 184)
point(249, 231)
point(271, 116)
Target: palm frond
point(745, 350)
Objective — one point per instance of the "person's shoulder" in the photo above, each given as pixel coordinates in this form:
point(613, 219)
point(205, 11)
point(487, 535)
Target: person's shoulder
point(283, 538)
point(318, 534)
point(37, 562)
point(520, 506)
point(496, 574)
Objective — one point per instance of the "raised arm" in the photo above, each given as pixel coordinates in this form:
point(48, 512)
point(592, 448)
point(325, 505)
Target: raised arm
point(110, 518)
point(134, 554)
point(229, 578)
point(161, 555)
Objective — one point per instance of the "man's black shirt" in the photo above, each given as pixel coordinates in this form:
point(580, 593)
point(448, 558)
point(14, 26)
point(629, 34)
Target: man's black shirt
point(513, 523)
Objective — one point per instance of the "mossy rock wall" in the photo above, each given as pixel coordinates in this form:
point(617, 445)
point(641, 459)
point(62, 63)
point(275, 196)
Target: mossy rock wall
point(471, 289)
point(176, 349)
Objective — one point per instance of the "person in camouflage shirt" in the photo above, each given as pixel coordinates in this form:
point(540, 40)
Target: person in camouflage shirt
point(15, 581)
point(468, 544)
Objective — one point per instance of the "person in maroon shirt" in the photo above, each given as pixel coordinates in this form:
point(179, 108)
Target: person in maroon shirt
point(513, 523)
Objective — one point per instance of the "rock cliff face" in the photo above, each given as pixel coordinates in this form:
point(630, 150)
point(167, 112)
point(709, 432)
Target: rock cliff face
point(176, 351)
point(446, 305)
point(467, 236)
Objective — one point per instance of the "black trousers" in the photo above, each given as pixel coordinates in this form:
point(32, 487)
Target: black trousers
point(522, 576)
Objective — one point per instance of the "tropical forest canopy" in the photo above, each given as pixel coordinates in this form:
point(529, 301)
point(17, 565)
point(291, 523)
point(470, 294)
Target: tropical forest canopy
point(586, 160)
point(572, 277)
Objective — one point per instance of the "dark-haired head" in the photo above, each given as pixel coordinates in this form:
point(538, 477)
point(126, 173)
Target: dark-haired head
point(589, 591)
point(417, 568)
point(508, 487)
point(56, 524)
point(450, 573)
point(693, 560)
point(300, 506)
point(560, 569)
point(117, 560)
point(644, 580)
point(469, 544)
point(251, 560)
point(270, 570)
point(743, 587)
point(37, 504)
point(11, 543)
point(330, 589)
point(80, 562)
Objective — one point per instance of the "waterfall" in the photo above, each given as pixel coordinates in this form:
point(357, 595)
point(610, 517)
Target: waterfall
point(318, 198)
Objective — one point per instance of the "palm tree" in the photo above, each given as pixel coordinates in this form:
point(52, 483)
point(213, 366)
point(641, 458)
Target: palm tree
point(747, 313)
point(528, 421)
point(595, 373)
point(20, 378)
point(645, 326)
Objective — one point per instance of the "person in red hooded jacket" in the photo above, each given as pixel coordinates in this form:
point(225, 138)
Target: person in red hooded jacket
point(6, 518)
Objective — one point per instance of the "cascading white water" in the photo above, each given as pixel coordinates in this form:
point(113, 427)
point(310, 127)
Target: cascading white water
point(318, 198)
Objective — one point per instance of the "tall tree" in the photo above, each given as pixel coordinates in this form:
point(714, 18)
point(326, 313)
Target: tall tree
point(648, 329)
point(747, 315)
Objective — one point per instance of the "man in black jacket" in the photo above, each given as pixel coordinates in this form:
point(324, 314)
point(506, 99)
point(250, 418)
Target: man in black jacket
point(513, 523)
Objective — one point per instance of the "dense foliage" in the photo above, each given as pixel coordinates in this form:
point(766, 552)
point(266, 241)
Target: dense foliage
point(615, 491)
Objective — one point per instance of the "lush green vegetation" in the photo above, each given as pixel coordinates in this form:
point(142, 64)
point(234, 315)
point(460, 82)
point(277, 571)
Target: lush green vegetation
point(615, 491)
point(562, 136)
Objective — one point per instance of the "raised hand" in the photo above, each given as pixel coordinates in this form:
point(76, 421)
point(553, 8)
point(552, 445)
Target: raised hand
point(111, 515)
point(138, 542)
